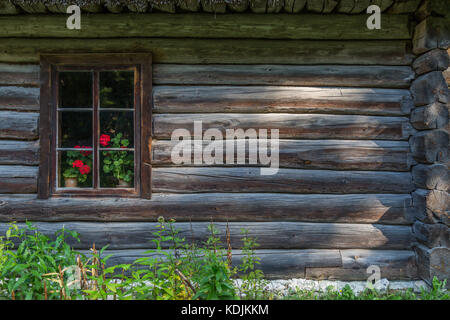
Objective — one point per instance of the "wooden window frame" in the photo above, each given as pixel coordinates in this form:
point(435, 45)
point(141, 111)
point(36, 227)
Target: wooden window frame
point(50, 64)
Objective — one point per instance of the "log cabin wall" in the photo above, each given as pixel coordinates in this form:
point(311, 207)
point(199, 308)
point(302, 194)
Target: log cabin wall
point(342, 199)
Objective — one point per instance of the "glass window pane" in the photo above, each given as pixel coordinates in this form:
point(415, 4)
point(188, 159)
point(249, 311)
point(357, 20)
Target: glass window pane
point(116, 129)
point(117, 89)
point(75, 129)
point(75, 169)
point(117, 169)
point(75, 89)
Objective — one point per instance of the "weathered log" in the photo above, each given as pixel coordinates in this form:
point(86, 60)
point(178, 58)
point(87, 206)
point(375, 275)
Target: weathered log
point(373, 208)
point(429, 88)
point(19, 152)
point(394, 264)
point(303, 126)
point(404, 6)
point(197, 180)
point(209, 51)
point(432, 116)
point(19, 99)
point(432, 235)
point(432, 206)
point(18, 125)
point(276, 264)
point(434, 60)
point(269, 235)
point(319, 154)
point(432, 7)
point(18, 179)
point(263, 99)
point(287, 264)
point(202, 25)
point(435, 176)
point(347, 76)
point(19, 75)
point(432, 263)
point(430, 146)
point(431, 33)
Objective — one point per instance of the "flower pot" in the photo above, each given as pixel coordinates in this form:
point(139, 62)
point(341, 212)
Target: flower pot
point(70, 182)
point(123, 184)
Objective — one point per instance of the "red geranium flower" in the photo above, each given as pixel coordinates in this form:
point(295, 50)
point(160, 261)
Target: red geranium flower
point(77, 164)
point(85, 169)
point(85, 152)
point(104, 140)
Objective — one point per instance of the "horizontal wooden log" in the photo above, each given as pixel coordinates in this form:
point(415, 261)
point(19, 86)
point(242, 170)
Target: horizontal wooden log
point(372, 208)
point(269, 235)
point(318, 154)
point(19, 75)
point(432, 116)
point(262, 99)
point(431, 33)
point(302, 126)
point(432, 206)
point(19, 152)
point(19, 98)
point(430, 146)
point(195, 180)
point(432, 263)
point(430, 88)
point(394, 264)
point(319, 75)
point(432, 235)
point(311, 264)
point(276, 264)
point(18, 125)
point(223, 51)
point(434, 60)
point(18, 179)
point(281, 26)
point(435, 176)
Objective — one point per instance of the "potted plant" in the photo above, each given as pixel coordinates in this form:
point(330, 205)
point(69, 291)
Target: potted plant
point(118, 163)
point(78, 166)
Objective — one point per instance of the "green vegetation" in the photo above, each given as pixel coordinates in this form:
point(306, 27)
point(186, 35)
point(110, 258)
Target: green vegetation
point(34, 266)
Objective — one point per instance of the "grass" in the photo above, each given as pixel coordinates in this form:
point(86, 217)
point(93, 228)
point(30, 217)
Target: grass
point(42, 268)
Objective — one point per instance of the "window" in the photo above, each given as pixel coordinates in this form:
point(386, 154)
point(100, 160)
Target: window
point(95, 125)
